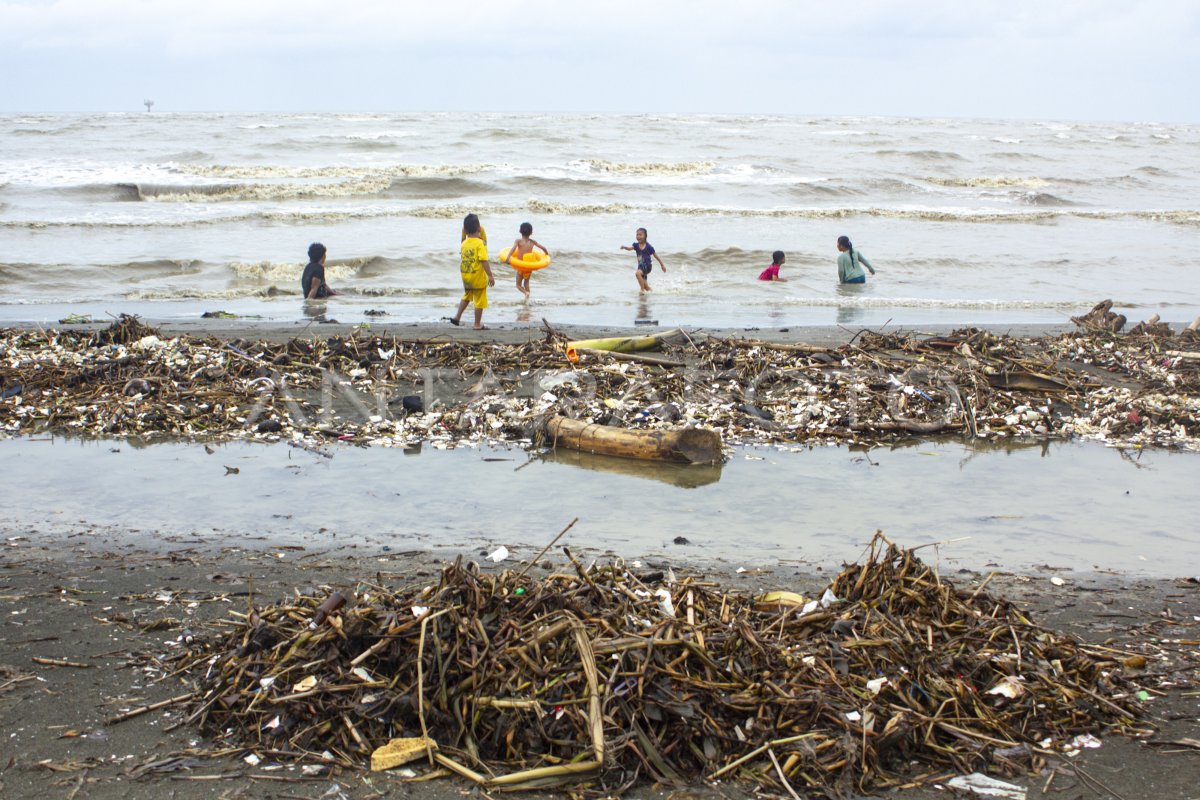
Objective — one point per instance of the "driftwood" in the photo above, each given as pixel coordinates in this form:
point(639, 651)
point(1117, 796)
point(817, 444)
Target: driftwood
point(683, 445)
point(1101, 318)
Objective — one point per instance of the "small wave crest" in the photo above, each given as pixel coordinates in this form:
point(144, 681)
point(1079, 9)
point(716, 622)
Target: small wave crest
point(992, 181)
point(924, 155)
point(1044, 199)
point(185, 293)
point(649, 168)
point(391, 172)
point(278, 272)
point(867, 301)
point(259, 191)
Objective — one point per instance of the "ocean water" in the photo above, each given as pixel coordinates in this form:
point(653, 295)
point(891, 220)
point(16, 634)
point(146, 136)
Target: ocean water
point(968, 221)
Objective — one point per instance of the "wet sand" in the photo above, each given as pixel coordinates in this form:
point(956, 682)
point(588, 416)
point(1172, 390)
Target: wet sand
point(502, 333)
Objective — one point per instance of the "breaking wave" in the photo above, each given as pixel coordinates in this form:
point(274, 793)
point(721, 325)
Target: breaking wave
point(258, 191)
point(649, 168)
point(999, 181)
point(457, 211)
point(242, 172)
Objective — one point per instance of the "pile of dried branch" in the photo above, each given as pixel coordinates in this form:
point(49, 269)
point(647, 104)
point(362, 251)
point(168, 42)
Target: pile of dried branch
point(611, 675)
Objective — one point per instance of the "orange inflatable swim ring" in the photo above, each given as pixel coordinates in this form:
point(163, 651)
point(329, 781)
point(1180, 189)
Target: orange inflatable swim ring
point(527, 263)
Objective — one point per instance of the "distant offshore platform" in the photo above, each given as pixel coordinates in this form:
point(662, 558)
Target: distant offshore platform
point(149, 104)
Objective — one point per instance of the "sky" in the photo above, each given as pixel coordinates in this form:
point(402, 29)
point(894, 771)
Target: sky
point(1055, 59)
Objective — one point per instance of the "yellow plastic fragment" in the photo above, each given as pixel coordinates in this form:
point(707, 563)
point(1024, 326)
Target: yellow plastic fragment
point(400, 751)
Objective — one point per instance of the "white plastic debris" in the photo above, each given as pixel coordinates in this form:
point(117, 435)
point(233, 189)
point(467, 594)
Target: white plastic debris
point(664, 602)
point(420, 611)
point(1057, 581)
point(1009, 686)
point(252, 760)
point(876, 685)
point(305, 684)
point(980, 784)
point(499, 554)
point(1081, 741)
point(853, 716)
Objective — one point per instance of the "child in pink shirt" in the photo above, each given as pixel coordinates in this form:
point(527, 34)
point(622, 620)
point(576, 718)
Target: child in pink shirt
point(771, 273)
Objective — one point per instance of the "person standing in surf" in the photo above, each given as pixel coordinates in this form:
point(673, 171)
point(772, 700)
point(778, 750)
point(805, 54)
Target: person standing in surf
point(520, 247)
point(312, 282)
point(851, 262)
point(644, 250)
point(476, 272)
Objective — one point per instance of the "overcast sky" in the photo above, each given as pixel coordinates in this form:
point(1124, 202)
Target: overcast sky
point(1134, 60)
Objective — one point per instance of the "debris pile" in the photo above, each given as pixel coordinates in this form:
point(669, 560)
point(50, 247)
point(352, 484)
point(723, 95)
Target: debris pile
point(1135, 389)
point(613, 675)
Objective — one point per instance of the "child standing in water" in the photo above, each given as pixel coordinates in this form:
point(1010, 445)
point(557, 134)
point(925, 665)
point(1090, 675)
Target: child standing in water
point(849, 260)
point(476, 272)
point(519, 249)
point(771, 273)
point(643, 249)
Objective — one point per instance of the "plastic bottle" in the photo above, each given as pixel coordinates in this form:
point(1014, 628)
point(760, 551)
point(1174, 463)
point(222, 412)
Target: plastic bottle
point(331, 604)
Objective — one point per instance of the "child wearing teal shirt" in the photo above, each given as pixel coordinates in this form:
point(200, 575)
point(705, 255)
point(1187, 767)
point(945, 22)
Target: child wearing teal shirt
point(849, 260)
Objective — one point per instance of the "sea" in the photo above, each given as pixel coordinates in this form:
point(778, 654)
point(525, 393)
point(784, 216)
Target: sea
point(971, 222)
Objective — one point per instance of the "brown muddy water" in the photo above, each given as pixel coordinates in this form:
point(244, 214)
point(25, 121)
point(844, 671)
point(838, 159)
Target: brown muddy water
point(1071, 506)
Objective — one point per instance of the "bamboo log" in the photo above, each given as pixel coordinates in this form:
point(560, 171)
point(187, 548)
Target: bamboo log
point(795, 347)
point(642, 358)
point(685, 445)
point(620, 344)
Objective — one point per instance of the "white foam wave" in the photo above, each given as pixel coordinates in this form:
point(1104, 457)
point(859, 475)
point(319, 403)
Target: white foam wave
point(276, 272)
point(650, 168)
point(262, 191)
point(928, 302)
point(1017, 181)
point(207, 294)
point(374, 173)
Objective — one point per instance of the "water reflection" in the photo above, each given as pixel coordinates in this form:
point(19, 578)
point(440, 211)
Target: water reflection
point(685, 476)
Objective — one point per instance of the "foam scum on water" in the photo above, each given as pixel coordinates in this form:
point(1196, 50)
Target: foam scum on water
point(613, 675)
point(1141, 388)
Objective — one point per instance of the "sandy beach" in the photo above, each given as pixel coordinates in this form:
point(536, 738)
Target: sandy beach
point(91, 615)
point(88, 622)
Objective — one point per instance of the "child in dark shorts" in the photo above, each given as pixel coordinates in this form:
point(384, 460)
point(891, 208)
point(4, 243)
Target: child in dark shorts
point(644, 250)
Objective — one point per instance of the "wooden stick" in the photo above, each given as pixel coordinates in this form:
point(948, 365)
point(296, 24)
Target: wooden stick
point(553, 541)
point(641, 358)
point(60, 662)
point(136, 712)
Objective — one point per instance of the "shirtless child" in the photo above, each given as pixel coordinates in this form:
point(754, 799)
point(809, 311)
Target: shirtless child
point(519, 249)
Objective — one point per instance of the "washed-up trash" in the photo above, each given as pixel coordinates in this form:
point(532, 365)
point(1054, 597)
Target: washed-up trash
point(498, 555)
point(780, 598)
point(1009, 686)
point(707, 684)
point(979, 784)
point(401, 751)
point(1082, 741)
point(963, 383)
point(305, 684)
point(664, 602)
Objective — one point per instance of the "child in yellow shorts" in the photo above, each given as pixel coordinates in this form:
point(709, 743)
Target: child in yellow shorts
point(476, 272)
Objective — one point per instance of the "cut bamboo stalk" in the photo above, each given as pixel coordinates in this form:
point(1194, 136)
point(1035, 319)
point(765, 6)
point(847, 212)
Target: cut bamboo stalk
point(641, 358)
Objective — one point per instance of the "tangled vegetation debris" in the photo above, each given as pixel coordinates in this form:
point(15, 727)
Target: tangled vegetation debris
point(1136, 389)
point(612, 675)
